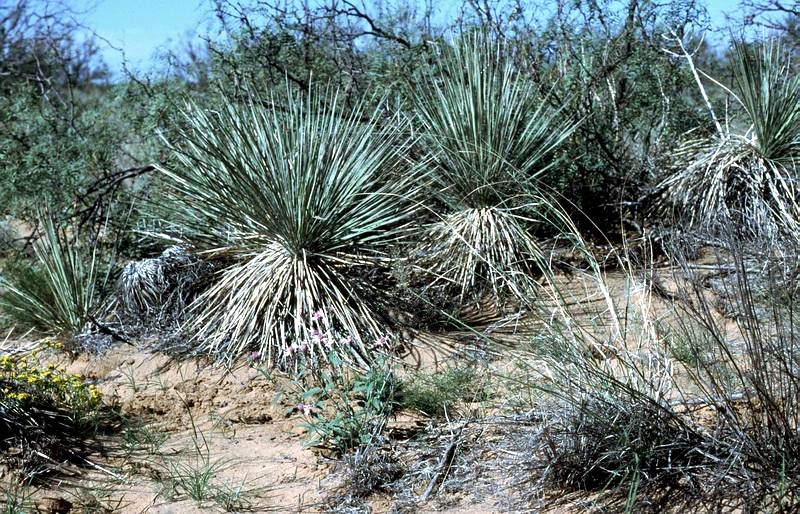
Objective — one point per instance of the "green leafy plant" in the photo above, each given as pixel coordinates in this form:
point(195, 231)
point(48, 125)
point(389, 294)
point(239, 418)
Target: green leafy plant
point(48, 419)
point(343, 408)
point(303, 202)
point(57, 294)
point(489, 139)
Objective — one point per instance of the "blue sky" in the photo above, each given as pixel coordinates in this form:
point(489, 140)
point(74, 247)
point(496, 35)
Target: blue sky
point(141, 27)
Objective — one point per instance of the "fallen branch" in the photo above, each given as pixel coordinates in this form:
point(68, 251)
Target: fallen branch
point(444, 464)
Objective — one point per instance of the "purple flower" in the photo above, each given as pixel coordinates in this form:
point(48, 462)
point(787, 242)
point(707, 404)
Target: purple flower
point(305, 408)
point(318, 337)
point(382, 341)
point(297, 348)
point(254, 356)
point(317, 315)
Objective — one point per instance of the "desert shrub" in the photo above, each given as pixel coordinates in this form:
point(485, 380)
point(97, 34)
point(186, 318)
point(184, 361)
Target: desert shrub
point(617, 442)
point(364, 472)
point(48, 419)
point(69, 140)
point(754, 379)
point(746, 174)
point(622, 417)
point(609, 421)
point(488, 138)
point(58, 292)
point(303, 203)
point(604, 63)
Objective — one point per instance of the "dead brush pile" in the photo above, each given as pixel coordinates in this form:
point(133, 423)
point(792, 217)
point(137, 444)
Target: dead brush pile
point(153, 294)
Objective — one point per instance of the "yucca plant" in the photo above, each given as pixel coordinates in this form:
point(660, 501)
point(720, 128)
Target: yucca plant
point(749, 176)
point(489, 138)
point(304, 203)
point(56, 295)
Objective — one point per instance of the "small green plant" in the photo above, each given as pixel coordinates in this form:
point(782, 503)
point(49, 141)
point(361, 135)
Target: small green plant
point(195, 476)
point(193, 479)
point(17, 497)
point(130, 377)
point(690, 345)
point(232, 497)
point(197, 480)
point(57, 294)
point(344, 408)
point(435, 394)
point(138, 436)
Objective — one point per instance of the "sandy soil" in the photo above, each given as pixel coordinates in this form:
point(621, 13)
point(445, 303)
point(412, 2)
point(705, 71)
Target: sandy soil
point(238, 419)
point(245, 425)
point(206, 413)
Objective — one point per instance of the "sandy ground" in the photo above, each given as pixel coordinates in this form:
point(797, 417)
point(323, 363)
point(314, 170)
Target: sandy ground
point(208, 414)
point(237, 419)
point(244, 424)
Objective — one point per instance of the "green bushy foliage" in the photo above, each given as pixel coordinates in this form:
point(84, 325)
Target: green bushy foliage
point(344, 408)
point(608, 67)
point(47, 418)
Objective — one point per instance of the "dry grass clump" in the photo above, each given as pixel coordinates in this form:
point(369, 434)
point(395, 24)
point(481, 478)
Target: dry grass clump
point(157, 289)
point(153, 296)
point(609, 442)
point(474, 247)
point(371, 469)
point(623, 417)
